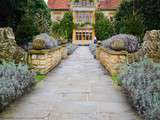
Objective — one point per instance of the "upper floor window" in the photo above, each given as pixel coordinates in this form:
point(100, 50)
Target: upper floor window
point(84, 17)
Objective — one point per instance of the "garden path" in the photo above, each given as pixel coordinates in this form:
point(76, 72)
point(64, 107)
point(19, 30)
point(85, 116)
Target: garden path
point(79, 89)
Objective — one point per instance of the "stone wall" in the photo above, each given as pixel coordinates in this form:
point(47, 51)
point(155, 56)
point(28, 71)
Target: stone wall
point(111, 60)
point(42, 61)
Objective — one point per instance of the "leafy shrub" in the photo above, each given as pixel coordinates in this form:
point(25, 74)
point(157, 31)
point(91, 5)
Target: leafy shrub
point(147, 17)
point(142, 83)
point(92, 48)
point(32, 15)
point(128, 22)
point(150, 11)
point(125, 10)
point(122, 42)
point(63, 28)
point(15, 80)
point(103, 27)
point(71, 48)
point(26, 29)
point(133, 24)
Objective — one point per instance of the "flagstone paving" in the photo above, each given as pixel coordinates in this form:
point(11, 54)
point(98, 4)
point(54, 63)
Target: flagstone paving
point(78, 89)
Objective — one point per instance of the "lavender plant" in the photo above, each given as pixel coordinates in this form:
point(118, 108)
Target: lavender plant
point(142, 83)
point(92, 48)
point(71, 48)
point(122, 42)
point(15, 80)
point(44, 41)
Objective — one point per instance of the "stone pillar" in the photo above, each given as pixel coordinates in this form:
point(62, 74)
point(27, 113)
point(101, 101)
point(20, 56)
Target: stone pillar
point(74, 36)
point(74, 29)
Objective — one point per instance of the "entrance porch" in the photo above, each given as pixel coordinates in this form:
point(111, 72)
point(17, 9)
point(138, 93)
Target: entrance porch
point(83, 37)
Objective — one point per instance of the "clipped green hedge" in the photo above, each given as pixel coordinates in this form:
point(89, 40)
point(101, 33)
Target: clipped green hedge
point(15, 80)
point(142, 83)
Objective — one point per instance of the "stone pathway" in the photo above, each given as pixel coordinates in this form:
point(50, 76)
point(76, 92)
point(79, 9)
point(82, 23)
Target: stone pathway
point(78, 89)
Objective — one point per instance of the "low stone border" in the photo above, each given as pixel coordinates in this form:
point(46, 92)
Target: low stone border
point(113, 60)
point(42, 61)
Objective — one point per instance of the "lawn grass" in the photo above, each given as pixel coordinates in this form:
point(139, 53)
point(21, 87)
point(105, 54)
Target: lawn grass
point(40, 77)
point(116, 80)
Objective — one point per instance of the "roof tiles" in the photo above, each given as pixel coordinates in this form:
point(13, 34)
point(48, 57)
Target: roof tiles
point(64, 4)
point(58, 4)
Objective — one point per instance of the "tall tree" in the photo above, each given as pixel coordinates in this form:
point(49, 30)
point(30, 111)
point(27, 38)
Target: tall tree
point(21, 13)
point(150, 10)
point(103, 27)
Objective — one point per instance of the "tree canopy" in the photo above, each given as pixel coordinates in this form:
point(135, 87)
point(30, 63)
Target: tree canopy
point(103, 27)
point(142, 15)
point(32, 15)
point(63, 29)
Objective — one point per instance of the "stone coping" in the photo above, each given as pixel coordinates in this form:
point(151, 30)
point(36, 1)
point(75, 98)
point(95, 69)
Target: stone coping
point(44, 51)
point(112, 60)
point(113, 52)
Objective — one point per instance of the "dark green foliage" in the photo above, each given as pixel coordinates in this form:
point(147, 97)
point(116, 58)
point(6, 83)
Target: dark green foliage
point(15, 80)
point(133, 24)
point(21, 13)
point(125, 10)
point(56, 30)
point(26, 29)
point(145, 16)
point(128, 22)
point(67, 25)
point(63, 28)
point(103, 27)
point(41, 14)
point(11, 12)
point(150, 10)
point(142, 83)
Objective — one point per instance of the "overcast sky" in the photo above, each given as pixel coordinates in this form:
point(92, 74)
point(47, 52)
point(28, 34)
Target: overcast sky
point(46, 1)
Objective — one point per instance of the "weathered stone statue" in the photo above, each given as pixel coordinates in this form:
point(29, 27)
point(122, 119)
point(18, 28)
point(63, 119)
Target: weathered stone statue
point(152, 44)
point(9, 50)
